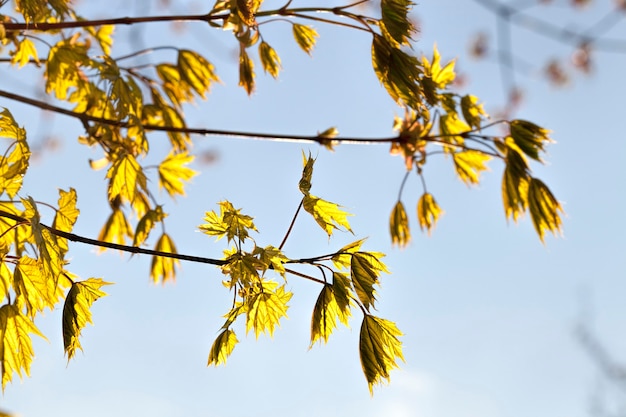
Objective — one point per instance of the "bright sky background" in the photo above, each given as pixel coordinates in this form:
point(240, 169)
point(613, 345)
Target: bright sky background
point(488, 312)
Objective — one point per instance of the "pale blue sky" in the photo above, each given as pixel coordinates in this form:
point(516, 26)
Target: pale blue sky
point(488, 312)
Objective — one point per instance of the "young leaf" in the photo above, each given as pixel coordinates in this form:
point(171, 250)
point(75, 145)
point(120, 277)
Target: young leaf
point(65, 216)
point(34, 290)
point(222, 347)
point(473, 112)
point(530, 138)
point(469, 165)
point(76, 313)
point(24, 52)
point(269, 59)
point(397, 71)
point(246, 71)
point(342, 290)
point(343, 259)
point(146, 224)
point(515, 182)
point(441, 76)
point(325, 315)
point(544, 208)
point(16, 349)
point(230, 223)
point(162, 268)
point(428, 212)
point(305, 36)
point(126, 178)
point(196, 71)
point(379, 347)
point(307, 173)
point(173, 172)
point(272, 257)
point(246, 9)
point(266, 307)
point(399, 226)
point(116, 229)
point(365, 269)
point(395, 23)
point(328, 215)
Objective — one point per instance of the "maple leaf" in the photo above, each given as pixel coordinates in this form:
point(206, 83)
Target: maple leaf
point(173, 172)
point(16, 349)
point(266, 307)
point(76, 313)
point(222, 347)
point(379, 347)
point(329, 216)
point(126, 178)
point(163, 268)
point(365, 269)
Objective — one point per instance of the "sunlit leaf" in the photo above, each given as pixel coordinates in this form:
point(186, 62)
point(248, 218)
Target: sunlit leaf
point(146, 224)
point(399, 226)
point(76, 311)
point(246, 71)
point(230, 223)
point(515, 182)
point(33, 289)
point(196, 71)
point(305, 37)
point(126, 178)
point(365, 268)
point(116, 229)
point(269, 59)
point(50, 254)
point(328, 215)
point(428, 212)
point(66, 215)
point(379, 347)
point(307, 173)
point(325, 315)
point(173, 172)
point(16, 349)
point(24, 52)
point(247, 9)
point(163, 268)
point(343, 259)
point(469, 164)
point(441, 76)
point(529, 137)
point(544, 208)
point(395, 23)
point(473, 112)
point(272, 257)
point(222, 347)
point(266, 307)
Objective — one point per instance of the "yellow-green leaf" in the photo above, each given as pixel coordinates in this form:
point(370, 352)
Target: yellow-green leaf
point(24, 52)
point(246, 71)
point(515, 182)
point(164, 268)
point(50, 254)
point(116, 229)
point(307, 173)
point(222, 347)
point(65, 216)
point(76, 313)
point(399, 226)
point(530, 138)
point(441, 76)
point(365, 268)
point(34, 290)
point(266, 307)
point(272, 257)
point(126, 178)
point(473, 112)
point(196, 71)
point(146, 224)
point(379, 347)
point(16, 349)
point(469, 165)
point(328, 215)
point(428, 212)
point(544, 208)
point(230, 223)
point(269, 59)
point(174, 173)
point(395, 23)
point(343, 259)
point(325, 314)
point(305, 37)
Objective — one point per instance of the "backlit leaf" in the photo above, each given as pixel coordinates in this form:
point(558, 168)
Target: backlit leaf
point(307, 173)
point(16, 349)
point(162, 268)
point(473, 112)
point(266, 307)
point(272, 257)
point(544, 208)
point(469, 165)
point(196, 71)
point(379, 347)
point(529, 137)
point(246, 71)
point(66, 215)
point(328, 215)
point(222, 347)
point(325, 315)
point(305, 37)
point(116, 229)
point(146, 224)
point(34, 290)
point(441, 76)
point(399, 226)
point(428, 212)
point(76, 313)
point(269, 59)
point(395, 23)
point(365, 268)
point(126, 178)
point(24, 52)
point(515, 182)
point(174, 173)
point(342, 290)
point(230, 223)
point(50, 254)
point(343, 259)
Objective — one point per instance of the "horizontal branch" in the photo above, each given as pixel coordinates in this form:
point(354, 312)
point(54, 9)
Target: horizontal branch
point(124, 248)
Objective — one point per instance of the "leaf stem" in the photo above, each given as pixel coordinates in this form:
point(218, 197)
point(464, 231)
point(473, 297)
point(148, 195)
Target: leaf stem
point(293, 221)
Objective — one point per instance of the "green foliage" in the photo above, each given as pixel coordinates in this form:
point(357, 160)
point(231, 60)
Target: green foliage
point(120, 105)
